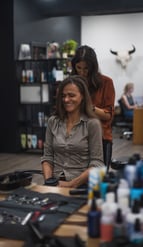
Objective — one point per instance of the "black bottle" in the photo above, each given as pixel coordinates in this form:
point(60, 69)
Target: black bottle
point(94, 220)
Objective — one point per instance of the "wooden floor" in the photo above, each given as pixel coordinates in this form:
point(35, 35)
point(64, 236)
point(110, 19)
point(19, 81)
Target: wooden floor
point(22, 161)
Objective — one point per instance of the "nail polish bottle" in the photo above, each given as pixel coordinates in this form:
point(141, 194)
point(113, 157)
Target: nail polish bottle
point(132, 216)
point(137, 236)
point(119, 227)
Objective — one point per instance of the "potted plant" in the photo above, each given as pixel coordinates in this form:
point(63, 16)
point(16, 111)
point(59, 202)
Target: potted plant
point(69, 47)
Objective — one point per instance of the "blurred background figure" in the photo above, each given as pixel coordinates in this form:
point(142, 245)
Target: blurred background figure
point(127, 100)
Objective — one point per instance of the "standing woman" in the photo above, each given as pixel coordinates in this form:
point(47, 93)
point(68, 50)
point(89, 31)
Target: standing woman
point(73, 142)
point(102, 93)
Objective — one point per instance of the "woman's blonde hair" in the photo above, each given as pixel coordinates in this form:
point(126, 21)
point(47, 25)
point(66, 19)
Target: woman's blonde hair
point(128, 86)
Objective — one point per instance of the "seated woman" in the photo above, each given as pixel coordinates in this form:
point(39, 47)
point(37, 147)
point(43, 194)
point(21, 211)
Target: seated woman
point(73, 142)
point(128, 101)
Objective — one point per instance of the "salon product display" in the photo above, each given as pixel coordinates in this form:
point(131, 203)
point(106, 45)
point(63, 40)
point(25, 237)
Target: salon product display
point(115, 212)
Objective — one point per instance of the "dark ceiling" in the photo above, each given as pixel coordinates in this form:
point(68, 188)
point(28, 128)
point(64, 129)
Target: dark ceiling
point(48, 8)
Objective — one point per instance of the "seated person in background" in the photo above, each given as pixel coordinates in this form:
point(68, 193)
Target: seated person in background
point(73, 136)
point(128, 101)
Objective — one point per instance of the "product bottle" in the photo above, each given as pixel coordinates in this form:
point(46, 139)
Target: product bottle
point(138, 159)
point(137, 236)
point(23, 76)
point(141, 204)
point(139, 168)
point(130, 171)
point(103, 186)
point(112, 187)
point(110, 205)
point(106, 226)
point(31, 76)
point(108, 184)
point(93, 183)
point(119, 227)
point(141, 211)
point(108, 211)
point(123, 194)
point(136, 191)
point(54, 71)
point(94, 220)
point(132, 216)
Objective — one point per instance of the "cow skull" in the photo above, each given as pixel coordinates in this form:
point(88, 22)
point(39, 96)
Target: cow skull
point(123, 56)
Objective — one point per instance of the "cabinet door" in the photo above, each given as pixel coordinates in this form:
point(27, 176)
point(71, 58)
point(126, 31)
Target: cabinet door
point(34, 94)
point(32, 126)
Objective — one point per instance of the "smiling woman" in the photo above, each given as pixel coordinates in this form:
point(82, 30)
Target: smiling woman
point(72, 100)
point(73, 137)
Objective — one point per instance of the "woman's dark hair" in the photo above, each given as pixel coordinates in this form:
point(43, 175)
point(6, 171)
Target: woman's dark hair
point(86, 105)
point(87, 54)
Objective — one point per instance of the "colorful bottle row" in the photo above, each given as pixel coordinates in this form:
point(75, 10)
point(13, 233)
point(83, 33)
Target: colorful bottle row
point(30, 141)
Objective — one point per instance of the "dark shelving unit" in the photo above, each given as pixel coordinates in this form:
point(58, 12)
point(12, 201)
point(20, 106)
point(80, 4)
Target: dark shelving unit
point(38, 81)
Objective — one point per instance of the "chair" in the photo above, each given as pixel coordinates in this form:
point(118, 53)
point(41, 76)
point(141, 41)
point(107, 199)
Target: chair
point(124, 123)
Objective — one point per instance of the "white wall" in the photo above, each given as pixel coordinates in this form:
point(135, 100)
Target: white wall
point(117, 32)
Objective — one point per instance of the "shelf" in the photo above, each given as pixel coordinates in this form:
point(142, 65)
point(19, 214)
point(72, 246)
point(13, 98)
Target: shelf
point(28, 125)
point(43, 60)
point(32, 84)
point(36, 99)
point(34, 151)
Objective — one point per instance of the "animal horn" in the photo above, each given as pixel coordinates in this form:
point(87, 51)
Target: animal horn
point(133, 50)
point(113, 52)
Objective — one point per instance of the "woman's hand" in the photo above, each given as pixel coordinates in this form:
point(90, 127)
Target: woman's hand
point(135, 106)
point(67, 184)
point(75, 182)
